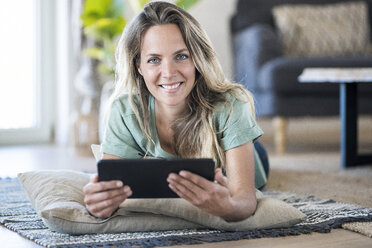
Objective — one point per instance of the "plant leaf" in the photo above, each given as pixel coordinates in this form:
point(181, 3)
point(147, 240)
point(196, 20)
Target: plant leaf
point(137, 5)
point(143, 2)
point(105, 28)
point(94, 10)
point(95, 52)
point(106, 70)
point(116, 8)
point(186, 4)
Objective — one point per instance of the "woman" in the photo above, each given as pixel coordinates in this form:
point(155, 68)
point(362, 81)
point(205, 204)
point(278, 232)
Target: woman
point(173, 100)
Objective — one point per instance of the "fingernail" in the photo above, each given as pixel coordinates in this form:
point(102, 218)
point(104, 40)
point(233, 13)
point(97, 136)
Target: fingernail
point(119, 184)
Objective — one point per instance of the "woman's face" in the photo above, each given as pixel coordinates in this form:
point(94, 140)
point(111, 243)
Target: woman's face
point(166, 65)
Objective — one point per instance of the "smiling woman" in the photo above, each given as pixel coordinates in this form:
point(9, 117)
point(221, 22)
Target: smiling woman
point(172, 100)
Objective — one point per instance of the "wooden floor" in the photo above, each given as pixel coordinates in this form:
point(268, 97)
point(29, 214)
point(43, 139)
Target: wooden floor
point(21, 159)
point(337, 238)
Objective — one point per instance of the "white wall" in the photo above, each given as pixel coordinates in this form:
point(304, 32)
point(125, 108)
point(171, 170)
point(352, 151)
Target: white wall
point(214, 16)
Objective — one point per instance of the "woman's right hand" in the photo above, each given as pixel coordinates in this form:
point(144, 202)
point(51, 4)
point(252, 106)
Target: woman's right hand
point(103, 198)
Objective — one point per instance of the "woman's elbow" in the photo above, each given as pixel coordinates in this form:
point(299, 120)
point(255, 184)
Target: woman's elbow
point(243, 208)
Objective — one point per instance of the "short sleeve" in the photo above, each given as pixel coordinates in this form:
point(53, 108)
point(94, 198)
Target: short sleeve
point(236, 126)
point(119, 139)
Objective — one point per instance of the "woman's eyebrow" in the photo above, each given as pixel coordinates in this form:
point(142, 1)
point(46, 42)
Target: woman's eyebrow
point(152, 55)
point(181, 50)
point(176, 52)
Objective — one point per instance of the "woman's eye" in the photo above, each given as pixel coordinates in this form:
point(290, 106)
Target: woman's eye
point(153, 60)
point(182, 56)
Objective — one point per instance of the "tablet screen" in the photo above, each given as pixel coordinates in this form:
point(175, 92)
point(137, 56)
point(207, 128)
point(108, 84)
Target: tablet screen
point(148, 177)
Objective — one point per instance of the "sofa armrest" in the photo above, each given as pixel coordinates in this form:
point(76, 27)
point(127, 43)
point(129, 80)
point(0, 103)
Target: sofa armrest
point(253, 47)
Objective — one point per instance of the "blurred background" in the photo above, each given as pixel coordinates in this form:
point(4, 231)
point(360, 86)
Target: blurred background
point(58, 56)
point(57, 71)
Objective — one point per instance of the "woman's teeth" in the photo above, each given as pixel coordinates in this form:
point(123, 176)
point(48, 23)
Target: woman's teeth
point(169, 87)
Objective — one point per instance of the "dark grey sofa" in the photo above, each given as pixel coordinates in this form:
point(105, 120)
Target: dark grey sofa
point(273, 78)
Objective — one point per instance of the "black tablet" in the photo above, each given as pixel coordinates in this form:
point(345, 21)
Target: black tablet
point(148, 177)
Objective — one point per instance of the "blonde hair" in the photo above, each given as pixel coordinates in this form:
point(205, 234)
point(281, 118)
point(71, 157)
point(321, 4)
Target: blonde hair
point(194, 134)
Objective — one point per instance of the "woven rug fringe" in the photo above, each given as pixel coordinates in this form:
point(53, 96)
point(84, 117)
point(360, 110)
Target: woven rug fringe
point(227, 236)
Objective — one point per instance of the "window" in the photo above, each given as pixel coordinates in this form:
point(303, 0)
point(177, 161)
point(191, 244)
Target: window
point(26, 71)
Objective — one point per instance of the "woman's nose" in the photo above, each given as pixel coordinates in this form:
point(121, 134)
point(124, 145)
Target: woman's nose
point(168, 69)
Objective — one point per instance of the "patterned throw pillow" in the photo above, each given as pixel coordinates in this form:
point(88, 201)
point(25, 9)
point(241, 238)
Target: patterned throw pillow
point(316, 30)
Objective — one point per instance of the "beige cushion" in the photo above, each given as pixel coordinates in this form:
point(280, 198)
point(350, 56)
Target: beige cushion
point(333, 29)
point(58, 198)
point(96, 150)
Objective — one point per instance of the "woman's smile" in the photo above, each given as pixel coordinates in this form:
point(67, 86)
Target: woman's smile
point(171, 87)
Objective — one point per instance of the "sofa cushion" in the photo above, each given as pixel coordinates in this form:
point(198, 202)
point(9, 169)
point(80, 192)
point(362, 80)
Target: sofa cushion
point(323, 30)
point(272, 104)
point(259, 11)
point(280, 76)
point(262, 44)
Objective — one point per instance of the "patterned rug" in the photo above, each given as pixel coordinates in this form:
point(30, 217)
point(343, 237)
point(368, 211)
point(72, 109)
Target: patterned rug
point(17, 214)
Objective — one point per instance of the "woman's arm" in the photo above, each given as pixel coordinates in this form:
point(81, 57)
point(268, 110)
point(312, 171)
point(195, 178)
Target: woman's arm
point(109, 156)
point(233, 197)
point(241, 174)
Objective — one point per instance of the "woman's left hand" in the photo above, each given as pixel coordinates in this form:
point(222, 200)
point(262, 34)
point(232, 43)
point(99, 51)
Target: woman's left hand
point(212, 197)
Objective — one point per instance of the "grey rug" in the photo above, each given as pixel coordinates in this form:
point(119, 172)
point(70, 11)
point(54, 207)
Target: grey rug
point(17, 214)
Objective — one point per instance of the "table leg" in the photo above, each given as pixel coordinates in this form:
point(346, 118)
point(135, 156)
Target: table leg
point(349, 124)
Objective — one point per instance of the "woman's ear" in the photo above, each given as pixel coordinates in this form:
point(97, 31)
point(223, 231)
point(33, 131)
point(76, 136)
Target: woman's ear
point(139, 70)
point(137, 62)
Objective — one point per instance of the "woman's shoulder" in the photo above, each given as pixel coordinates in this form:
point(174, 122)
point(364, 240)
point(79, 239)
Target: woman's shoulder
point(231, 100)
point(123, 105)
point(235, 105)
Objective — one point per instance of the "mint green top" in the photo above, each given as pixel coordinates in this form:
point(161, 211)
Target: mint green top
point(124, 138)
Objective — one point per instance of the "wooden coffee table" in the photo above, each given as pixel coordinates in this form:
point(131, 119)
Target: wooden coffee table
point(348, 79)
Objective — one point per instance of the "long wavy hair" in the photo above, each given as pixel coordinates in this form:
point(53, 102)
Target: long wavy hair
point(194, 133)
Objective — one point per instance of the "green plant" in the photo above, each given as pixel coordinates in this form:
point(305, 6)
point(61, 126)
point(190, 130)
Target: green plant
point(104, 20)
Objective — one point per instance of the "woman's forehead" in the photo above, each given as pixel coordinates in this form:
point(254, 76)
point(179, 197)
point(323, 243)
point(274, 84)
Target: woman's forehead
point(161, 38)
